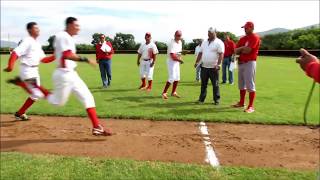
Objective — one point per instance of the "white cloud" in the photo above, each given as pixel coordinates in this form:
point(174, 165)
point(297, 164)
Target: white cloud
point(160, 18)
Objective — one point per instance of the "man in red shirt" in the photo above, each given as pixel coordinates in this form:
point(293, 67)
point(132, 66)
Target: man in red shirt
point(229, 47)
point(104, 53)
point(247, 48)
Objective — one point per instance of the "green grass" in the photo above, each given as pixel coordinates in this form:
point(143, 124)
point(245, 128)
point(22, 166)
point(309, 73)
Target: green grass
point(25, 166)
point(282, 89)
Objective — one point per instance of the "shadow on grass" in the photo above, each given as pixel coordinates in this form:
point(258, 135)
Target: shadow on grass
point(138, 99)
point(16, 143)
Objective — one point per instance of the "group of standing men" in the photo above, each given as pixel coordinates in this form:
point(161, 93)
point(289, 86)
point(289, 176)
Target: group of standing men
point(210, 54)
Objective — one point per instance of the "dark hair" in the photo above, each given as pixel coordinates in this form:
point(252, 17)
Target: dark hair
point(70, 20)
point(30, 25)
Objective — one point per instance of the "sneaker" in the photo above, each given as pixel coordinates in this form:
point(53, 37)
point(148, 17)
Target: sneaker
point(238, 105)
point(223, 83)
point(105, 87)
point(164, 96)
point(249, 110)
point(22, 117)
point(148, 89)
point(216, 103)
point(231, 83)
point(99, 131)
point(199, 102)
point(175, 94)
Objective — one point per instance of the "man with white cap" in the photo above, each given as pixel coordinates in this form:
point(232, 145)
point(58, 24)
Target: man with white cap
point(147, 54)
point(247, 48)
point(211, 56)
point(174, 60)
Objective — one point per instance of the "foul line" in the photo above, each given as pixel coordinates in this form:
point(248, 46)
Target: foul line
point(211, 157)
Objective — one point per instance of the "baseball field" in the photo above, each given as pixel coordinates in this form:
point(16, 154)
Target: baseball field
point(160, 139)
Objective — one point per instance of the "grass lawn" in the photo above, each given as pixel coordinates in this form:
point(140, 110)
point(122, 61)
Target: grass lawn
point(25, 166)
point(282, 89)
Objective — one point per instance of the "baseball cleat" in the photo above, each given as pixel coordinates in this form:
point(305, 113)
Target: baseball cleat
point(99, 131)
point(22, 117)
point(175, 94)
point(143, 87)
point(148, 89)
point(249, 110)
point(14, 80)
point(238, 105)
point(164, 96)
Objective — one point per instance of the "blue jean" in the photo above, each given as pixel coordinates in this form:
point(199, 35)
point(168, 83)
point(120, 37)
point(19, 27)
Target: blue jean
point(225, 69)
point(105, 71)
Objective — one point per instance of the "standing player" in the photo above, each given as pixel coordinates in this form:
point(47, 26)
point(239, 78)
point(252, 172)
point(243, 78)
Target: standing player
point(247, 48)
point(174, 60)
point(30, 53)
point(229, 47)
point(66, 79)
point(147, 54)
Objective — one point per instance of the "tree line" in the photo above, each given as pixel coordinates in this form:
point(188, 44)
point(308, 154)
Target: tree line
point(291, 40)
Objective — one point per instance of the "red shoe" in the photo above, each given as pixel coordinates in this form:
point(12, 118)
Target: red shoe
point(175, 94)
point(238, 105)
point(100, 131)
point(249, 110)
point(164, 96)
point(149, 89)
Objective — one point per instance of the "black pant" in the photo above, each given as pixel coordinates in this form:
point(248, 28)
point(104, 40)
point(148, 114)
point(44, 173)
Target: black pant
point(213, 75)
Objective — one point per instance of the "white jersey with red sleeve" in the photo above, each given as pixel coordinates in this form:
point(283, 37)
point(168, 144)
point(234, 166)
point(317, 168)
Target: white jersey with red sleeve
point(175, 48)
point(29, 51)
point(64, 42)
point(148, 50)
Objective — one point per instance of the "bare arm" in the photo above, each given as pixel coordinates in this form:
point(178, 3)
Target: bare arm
point(198, 59)
point(138, 60)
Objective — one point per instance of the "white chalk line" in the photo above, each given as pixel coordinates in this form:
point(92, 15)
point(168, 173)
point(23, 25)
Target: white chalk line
point(211, 157)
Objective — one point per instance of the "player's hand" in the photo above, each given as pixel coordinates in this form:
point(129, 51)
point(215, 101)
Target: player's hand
point(217, 68)
point(195, 65)
point(305, 58)
point(152, 64)
point(92, 62)
point(138, 63)
point(7, 69)
point(181, 61)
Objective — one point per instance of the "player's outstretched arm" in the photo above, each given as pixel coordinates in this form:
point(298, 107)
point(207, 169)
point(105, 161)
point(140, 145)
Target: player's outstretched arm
point(48, 59)
point(310, 64)
point(74, 57)
point(11, 61)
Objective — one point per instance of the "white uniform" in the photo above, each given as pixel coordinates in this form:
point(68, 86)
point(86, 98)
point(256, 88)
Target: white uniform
point(210, 52)
point(147, 51)
point(66, 80)
point(30, 53)
point(174, 66)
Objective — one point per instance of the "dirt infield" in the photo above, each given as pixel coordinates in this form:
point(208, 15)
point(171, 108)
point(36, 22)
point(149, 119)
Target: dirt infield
point(293, 147)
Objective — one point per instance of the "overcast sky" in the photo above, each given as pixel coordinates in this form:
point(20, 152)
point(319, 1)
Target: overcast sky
point(159, 18)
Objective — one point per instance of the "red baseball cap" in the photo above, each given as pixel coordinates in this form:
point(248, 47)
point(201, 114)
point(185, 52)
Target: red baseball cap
point(248, 24)
point(148, 34)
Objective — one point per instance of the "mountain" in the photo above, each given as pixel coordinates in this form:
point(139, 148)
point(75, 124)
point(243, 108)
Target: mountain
point(4, 44)
point(273, 31)
point(311, 26)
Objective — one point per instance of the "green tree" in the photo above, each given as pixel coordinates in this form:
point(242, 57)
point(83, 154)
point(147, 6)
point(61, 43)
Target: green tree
point(124, 42)
point(161, 45)
point(50, 41)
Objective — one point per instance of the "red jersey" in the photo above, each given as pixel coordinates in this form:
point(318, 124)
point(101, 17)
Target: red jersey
point(229, 47)
point(313, 70)
point(252, 41)
point(103, 55)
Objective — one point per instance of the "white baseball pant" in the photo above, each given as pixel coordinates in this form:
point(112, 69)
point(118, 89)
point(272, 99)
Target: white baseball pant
point(29, 75)
point(67, 82)
point(145, 70)
point(173, 70)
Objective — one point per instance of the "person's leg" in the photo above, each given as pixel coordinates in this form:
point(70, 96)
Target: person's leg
point(198, 69)
point(103, 72)
point(224, 70)
point(150, 76)
point(176, 78)
point(170, 79)
point(109, 75)
point(204, 84)
point(142, 75)
point(241, 85)
point(250, 77)
point(230, 73)
point(214, 77)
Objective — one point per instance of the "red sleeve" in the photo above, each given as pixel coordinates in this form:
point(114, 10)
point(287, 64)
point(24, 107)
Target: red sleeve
point(12, 60)
point(48, 59)
point(67, 53)
point(313, 70)
point(240, 43)
point(174, 57)
point(233, 46)
point(254, 42)
point(97, 51)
